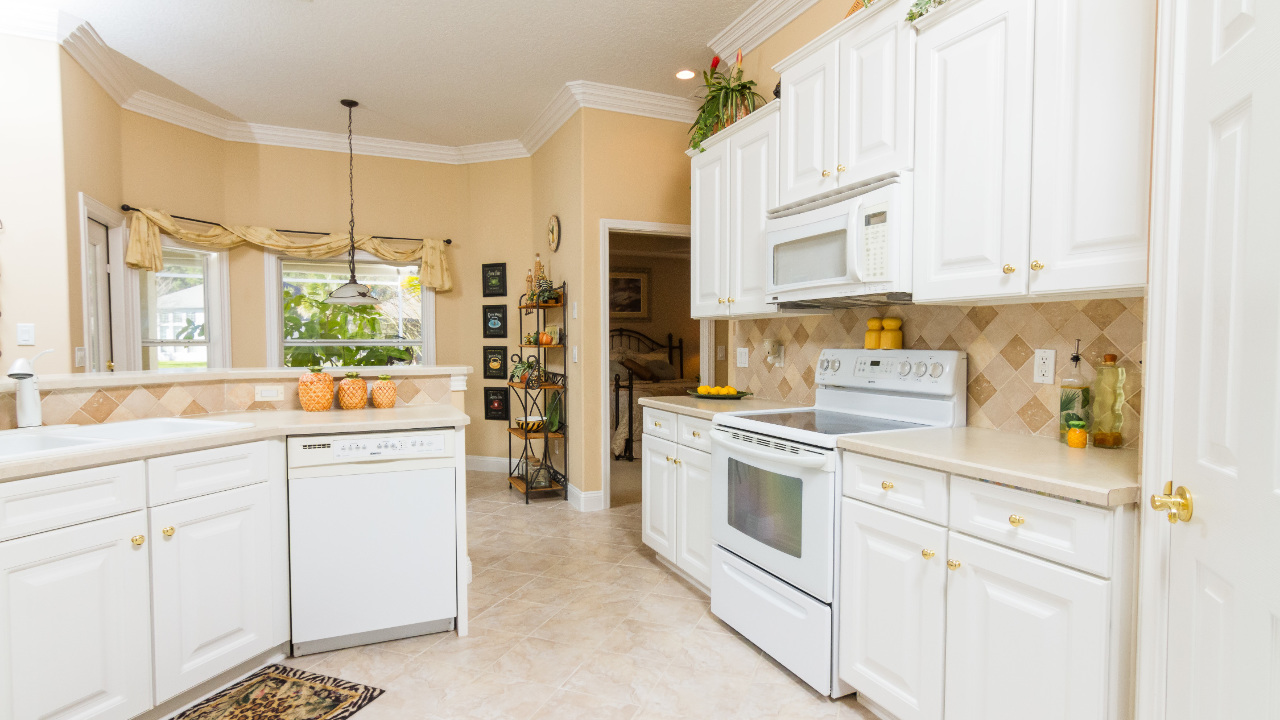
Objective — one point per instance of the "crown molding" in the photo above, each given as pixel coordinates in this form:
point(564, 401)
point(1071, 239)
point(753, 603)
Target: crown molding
point(757, 24)
point(557, 112)
point(86, 47)
point(578, 94)
point(29, 21)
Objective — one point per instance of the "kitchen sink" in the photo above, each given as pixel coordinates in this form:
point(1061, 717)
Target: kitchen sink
point(16, 444)
point(149, 429)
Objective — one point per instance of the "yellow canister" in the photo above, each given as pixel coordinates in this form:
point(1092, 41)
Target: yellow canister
point(891, 336)
point(872, 341)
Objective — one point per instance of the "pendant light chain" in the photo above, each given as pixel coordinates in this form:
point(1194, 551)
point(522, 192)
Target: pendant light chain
point(351, 179)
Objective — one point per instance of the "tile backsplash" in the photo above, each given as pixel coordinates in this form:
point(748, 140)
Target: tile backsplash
point(1000, 340)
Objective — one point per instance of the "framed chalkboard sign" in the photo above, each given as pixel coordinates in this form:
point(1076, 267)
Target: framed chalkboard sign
point(493, 277)
point(497, 403)
point(495, 321)
point(495, 362)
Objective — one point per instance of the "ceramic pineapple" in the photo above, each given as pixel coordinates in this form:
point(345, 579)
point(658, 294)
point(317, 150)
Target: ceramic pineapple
point(315, 390)
point(384, 392)
point(353, 392)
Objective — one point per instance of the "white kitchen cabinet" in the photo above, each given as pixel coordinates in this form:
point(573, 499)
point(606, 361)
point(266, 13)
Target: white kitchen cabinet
point(809, 121)
point(658, 494)
point(709, 250)
point(76, 614)
point(893, 609)
point(211, 582)
point(693, 513)
point(1025, 638)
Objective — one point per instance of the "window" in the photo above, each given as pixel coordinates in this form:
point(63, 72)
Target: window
point(396, 331)
point(183, 310)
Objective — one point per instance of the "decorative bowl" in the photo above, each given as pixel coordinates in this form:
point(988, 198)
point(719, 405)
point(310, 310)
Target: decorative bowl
point(532, 423)
point(737, 396)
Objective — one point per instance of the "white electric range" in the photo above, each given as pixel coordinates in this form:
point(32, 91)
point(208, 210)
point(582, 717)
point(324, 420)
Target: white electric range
point(775, 495)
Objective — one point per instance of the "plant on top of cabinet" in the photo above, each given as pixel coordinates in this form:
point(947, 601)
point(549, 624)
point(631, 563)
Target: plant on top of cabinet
point(729, 98)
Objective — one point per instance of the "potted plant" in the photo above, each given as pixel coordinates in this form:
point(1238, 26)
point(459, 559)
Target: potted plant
point(729, 98)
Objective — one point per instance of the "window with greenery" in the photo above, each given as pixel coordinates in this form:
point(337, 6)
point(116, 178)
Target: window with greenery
point(176, 310)
point(317, 333)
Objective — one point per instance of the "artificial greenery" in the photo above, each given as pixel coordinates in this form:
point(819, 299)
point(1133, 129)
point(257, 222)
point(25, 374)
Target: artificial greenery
point(308, 317)
point(920, 8)
point(555, 410)
point(729, 98)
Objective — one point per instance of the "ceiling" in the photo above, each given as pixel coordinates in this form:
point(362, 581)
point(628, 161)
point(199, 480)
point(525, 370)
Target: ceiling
point(427, 71)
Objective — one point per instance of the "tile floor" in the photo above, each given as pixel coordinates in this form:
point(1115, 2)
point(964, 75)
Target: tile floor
point(573, 617)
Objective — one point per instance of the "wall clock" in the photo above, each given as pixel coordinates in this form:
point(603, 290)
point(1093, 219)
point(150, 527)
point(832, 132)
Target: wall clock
point(553, 233)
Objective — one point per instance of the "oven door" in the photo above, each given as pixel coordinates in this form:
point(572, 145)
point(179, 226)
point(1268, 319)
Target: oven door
point(773, 503)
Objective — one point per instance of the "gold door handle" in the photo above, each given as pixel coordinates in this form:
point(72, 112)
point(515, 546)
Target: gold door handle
point(1016, 520)
point(953, 564)
point(886, 485)
point(169, 531)
point(138, 539)
point(1177, 503)
point(927, 554)
point(1037, 265)
point(1009, 269)
point(826, 173)
point(840, 168)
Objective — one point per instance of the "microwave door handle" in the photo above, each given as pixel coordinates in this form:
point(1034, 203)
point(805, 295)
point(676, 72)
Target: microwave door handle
point(807, 461)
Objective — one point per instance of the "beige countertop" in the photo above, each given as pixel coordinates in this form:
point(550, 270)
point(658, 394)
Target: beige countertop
point(1098, 477)
point(200, 375)
point(705, 409)
point(266, 424)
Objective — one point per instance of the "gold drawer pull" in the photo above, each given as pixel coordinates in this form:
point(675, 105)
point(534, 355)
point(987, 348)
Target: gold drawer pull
point(169, 531)
point(670, 459)
point(886, 485)
point(1016, 520)
point(1037, 265)
point(676, 461)
point(953, 564)
point(927, 554)
point(657, 424)
point(1009, 270)
point(695, 433)
point(840, 168)
point(826, 173)
point(138, 539)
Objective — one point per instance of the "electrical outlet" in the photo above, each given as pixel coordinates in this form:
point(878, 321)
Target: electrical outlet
point(1044, 368)
point(721, 352)
point(744, 358)
point(26, 333)
point(268, 393)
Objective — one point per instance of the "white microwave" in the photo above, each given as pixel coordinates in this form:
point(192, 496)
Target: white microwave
point(850, 252)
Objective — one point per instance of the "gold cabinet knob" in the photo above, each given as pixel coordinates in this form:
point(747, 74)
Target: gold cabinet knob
point(676, 461)
point(169, 531)
point(657, 424)
point(670, 459)
point(840, 168)
point(1177, 503)
point(720, 300)
point(953, 564)
point(886, 485)
point(826, 173)
point(927, 554)
point(695, 433)
point(1016, 520)
point(1037, 265)
point(138, 539)
point(728, 300)
point(1009, 269)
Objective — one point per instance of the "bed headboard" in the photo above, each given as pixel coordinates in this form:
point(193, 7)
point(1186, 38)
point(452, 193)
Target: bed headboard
point(622, 338)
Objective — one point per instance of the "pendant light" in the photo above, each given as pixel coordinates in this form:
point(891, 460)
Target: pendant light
point(353, 292)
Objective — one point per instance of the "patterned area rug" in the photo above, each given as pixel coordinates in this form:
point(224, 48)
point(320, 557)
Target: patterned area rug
point(277, 692)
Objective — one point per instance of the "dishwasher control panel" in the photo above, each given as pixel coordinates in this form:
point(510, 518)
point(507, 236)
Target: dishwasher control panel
point(374, 446)
point(320, 450)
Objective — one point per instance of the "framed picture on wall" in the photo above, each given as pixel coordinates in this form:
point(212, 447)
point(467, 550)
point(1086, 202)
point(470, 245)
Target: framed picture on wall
point(497, 403)
point(629, 294)
point(493, 276)
point(495, 362)
point(495, 321)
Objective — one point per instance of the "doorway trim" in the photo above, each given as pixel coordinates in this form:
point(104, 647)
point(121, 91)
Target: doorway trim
point(121, 284)
point(608, 226)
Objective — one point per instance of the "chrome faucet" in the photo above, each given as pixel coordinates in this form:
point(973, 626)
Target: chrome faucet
point(28, 397)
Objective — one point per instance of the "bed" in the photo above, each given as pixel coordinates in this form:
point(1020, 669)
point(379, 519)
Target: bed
point(629, 385)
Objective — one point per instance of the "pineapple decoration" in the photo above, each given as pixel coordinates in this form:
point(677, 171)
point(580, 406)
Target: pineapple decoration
point(353, 392)
point(384, 392)
point(315, 390)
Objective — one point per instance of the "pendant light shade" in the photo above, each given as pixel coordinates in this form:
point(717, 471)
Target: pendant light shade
point(352, 292)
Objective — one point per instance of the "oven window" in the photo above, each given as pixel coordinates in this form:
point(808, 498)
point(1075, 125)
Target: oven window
point(766, 506)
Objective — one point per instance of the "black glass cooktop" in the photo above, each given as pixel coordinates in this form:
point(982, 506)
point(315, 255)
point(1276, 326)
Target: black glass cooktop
point(827, 422)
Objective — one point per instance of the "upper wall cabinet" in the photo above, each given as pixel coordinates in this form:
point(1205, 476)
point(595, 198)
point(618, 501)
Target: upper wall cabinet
point(1032, 149)
point(847, 97)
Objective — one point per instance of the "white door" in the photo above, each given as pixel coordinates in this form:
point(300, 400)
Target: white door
point(1091, 179)
point(1026, 638)
point(658, 495)
point(1218, 434)
point(97, 290)
point(973, 152)
point(877, 82)
point(211, 585)
point(753, 192)
point(693, 513)
point(893, 609)
point(75, 613)
point(709, 243)
point(809, 108)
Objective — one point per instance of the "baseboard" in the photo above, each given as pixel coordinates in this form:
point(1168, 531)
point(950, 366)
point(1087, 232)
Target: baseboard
point(482, 463)
point(586, 501)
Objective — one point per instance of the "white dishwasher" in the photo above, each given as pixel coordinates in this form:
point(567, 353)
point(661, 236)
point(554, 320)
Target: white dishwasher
point(372, 538)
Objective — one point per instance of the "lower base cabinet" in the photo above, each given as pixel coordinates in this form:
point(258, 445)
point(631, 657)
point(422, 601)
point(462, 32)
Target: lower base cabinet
point(658, 495)
point(693, 513)
point(675, 495)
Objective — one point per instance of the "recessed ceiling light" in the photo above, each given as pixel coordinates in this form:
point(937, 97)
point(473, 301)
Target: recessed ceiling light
point(685, 74)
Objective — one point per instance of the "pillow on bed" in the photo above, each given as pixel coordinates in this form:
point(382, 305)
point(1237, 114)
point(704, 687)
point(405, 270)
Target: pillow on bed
point(662, 370)
point(616, 369)
point(641, 372)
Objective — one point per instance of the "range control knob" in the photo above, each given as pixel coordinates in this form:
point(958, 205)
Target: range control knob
point(835, 365)
point(824, 364)
point(904, 368)
point(921, 369)
point(935, 370)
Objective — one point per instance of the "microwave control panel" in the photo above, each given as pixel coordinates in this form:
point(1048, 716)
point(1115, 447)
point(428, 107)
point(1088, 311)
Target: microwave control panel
point(876, 230)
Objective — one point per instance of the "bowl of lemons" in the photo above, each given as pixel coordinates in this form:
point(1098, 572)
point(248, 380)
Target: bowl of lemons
point(727, 392)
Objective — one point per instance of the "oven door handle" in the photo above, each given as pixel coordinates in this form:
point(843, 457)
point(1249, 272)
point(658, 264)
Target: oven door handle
point(807, 460)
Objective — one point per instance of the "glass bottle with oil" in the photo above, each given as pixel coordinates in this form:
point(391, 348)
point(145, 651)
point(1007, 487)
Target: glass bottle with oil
point(1108, 405)
point(1075, 399)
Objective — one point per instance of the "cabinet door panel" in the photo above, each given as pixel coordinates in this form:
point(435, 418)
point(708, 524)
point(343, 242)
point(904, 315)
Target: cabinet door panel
point(1025, 638)
point(76, 642)
point(893, 609)
point(211, 585)
point(1094, 70)
point(658, 495)
point(809, 127)
point(753, 192)
point(876, 86)
point(693, 514)
point(973, 152)
point(710, 229)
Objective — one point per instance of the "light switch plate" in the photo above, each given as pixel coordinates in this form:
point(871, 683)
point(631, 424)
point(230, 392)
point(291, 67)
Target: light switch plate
point(721, 352)
point(1044, 367)
point(575, 353)
point(26, 333)
point(744, 358)
point(80, 357)
point(268, 393)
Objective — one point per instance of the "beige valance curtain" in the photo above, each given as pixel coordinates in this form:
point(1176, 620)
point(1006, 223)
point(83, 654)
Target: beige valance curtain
point(146, 226)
